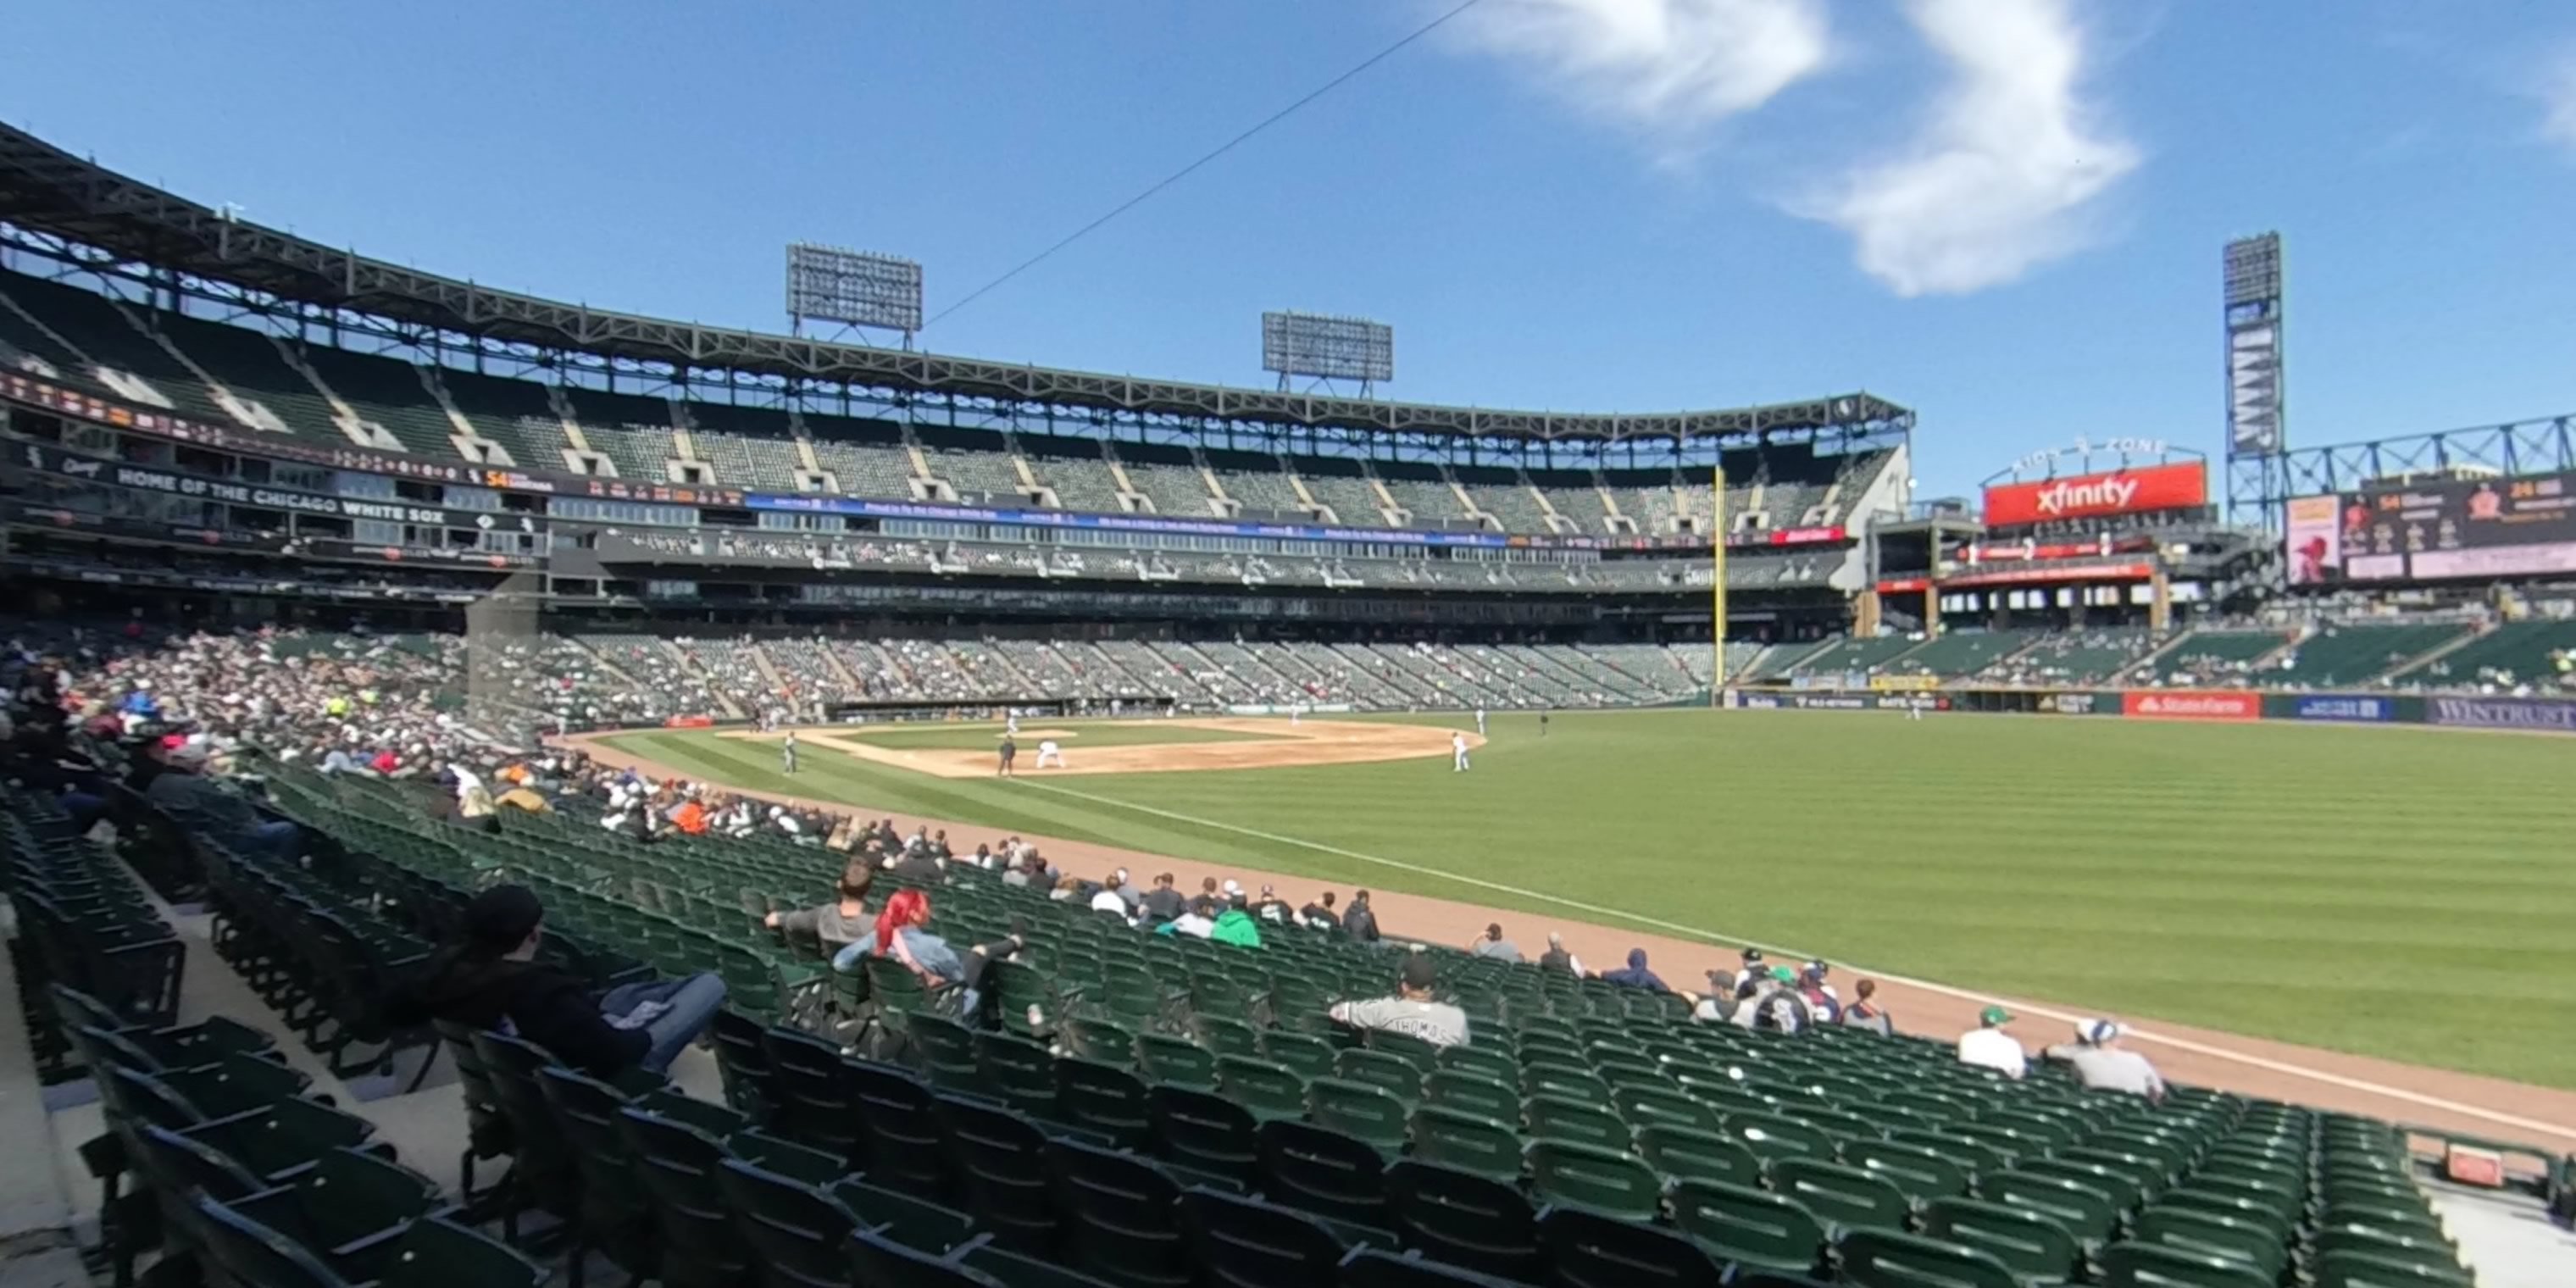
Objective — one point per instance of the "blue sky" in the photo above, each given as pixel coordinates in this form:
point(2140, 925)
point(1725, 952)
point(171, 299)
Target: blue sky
point(2003, 213)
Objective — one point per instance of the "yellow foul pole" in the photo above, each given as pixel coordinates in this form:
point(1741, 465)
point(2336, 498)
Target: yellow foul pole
point(1717, 587)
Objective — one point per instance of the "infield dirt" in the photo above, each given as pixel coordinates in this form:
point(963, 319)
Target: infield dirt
point(1274, 745)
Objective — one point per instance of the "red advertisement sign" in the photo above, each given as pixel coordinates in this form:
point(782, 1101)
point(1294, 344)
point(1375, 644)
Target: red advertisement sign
point(2192, 706)
point(2051, 576)
point(2149, 488)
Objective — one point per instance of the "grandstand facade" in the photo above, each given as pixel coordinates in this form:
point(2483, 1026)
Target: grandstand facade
point(256, 426)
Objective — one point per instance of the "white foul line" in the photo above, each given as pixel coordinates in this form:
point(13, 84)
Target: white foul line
point(2179, 1044)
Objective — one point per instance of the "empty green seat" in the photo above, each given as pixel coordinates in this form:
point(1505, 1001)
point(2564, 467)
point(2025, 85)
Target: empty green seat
point(1467, 1142)
point(1268, 1090)
point(1747, 1226)
point(1610, 1182)
point(2146, 1265)
point(1358, 1110)
point(1472, 1093)
point(2030, 1244)
point(1681, 1153)
point(1891, 1259)
point(2213, 1235)
point(1581, 1121)
point(1849, 1197)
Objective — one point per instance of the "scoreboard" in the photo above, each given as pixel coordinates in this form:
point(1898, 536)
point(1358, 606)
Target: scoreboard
point(2449, 529)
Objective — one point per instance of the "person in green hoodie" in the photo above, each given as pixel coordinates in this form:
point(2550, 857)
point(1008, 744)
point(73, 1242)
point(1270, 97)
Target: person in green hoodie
point(1232, 925)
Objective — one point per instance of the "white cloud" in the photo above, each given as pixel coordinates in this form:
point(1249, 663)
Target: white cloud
point(2557, 93)
point(1668, 65)
point(1999, 177)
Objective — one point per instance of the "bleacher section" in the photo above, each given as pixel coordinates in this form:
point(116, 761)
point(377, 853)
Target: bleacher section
point(1957, 653)
point(2353, 656)
point(1078, 473)
point(1256, 482)
point(1121, 1108)
point(2086, 656)
point(1851, 656)
point(1421, 491)
point(2213, 657)
point(2508, 657)
point(1340, 486)
point(867, 468)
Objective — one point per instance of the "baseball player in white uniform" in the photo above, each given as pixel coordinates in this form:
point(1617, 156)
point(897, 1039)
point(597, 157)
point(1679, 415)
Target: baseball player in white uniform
point(1457, 752)
point(787, 753)
point(1049, 752)
point(1480, 722)
point(1011, 722)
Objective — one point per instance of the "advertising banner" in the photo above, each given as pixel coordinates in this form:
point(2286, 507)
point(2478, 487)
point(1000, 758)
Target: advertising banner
point(2188, 705)
point(2315, 536)
point(2080, 704)
point(1756, 701)
point(2051, 575)
point(2181, 486)
point(2352, 708)
point(2543, 714)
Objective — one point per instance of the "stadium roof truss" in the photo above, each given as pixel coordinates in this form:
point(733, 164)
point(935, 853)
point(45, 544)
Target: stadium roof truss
point(60, 206)
point(2524, 447)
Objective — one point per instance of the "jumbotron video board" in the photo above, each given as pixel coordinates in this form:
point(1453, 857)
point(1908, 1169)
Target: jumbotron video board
point(2458, 528)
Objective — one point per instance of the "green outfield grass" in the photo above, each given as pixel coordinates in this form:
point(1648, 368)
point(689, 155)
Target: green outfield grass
point(2399, 893)
point(1082, 733)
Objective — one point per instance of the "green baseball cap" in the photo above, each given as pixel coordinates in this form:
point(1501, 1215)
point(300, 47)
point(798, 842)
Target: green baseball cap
point(1994, 1015)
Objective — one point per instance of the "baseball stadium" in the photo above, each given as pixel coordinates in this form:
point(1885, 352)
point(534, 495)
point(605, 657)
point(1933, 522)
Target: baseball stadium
point(1158, 735)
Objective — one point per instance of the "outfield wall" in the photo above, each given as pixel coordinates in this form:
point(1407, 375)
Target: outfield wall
point(2220, 706)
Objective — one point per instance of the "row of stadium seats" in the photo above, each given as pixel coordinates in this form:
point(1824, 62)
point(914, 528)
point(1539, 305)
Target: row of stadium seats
point(227, 375)
point(1144, 1110)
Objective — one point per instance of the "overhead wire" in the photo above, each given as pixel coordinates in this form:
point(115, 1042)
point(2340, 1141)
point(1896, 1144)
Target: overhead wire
point(1212, 154)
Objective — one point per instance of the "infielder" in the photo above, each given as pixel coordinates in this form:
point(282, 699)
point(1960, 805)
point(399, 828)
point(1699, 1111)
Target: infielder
point(1048, 751)
point(1457, 752)
point(1011, 722)
point(1480, 722)
point(787, 753)
point(1010, 750)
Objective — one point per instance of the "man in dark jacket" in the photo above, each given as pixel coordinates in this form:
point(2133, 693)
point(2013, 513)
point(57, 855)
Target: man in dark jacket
point(1359, 922)
point(493, 981)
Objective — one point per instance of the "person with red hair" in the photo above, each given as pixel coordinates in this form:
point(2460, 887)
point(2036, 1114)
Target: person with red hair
point(902, 934)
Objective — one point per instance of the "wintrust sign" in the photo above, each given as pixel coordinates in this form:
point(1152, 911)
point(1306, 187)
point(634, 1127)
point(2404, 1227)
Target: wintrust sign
point(2140, 491)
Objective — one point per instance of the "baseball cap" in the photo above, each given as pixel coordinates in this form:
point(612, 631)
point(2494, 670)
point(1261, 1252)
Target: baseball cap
point(1784, 974)
point(1420, 971)
point(2097, 1032)
point(501, 917)
point(1752, 956)
point(1994, 1015)
point(1232, 887)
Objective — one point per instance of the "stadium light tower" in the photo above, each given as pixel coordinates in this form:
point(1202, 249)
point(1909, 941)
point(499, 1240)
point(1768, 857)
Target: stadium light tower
point(1327, 347)
point(2257, 428)
point(854, 288)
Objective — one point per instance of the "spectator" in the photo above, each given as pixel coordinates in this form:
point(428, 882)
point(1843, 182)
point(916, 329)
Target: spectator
point(1635, 974)
point(1360, 922)
point(1774, 1004)
point(1865, 1012)
point(1822, 1002)
point(1163, 903)
point(1271, 908)
point(1557, 958)
point(918, 867)
point(2101, 1064)
point(1124, 887)
point(492, 980)
point(196, 801)
point(842, 922)
point(1752, 971)
point(1320, 914)
point(1988, 1046)
point(1492, 944)
point(1411, 1011)
point(1015, 872)
point(902, 934)
point(1207, 903)
point(1107, 899)
point(1234, 925)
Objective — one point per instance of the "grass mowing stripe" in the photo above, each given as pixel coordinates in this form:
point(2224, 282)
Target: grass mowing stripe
point(1695, 932)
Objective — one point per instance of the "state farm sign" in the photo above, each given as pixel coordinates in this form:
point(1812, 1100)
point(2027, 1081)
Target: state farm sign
point(2084, 496)
point(2192, 706)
